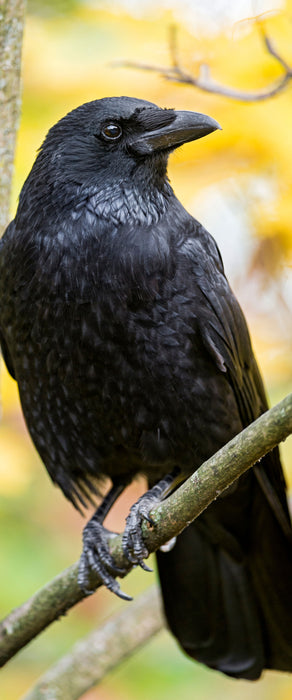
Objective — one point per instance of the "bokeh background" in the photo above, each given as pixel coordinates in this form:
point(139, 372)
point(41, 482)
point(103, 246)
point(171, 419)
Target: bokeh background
point(238, 183)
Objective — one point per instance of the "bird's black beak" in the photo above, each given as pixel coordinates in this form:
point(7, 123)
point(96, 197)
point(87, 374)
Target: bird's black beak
point(181, 128)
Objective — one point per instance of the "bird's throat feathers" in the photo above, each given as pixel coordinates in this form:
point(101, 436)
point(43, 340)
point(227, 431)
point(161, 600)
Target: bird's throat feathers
point(123, 203)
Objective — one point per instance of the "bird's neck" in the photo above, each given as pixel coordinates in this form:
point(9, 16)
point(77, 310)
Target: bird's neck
point(124, 202)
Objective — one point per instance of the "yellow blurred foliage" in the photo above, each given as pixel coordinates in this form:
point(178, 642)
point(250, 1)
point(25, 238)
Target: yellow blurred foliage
point(15, 448)
point(9, 391)
point(15, 472)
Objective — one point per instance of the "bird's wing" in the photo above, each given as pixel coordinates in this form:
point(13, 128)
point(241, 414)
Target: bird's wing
point(226, 338)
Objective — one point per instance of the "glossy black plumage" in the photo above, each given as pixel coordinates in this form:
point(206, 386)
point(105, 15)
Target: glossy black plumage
point(132, 356)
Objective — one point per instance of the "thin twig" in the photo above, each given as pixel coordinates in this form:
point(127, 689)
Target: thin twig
point(204, 81)
point(271, 49)
point(173, 49)
point(170, 518)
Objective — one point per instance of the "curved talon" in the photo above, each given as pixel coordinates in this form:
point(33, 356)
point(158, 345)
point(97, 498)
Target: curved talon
point(118, 591)
point(111, 584)
point(145, 567)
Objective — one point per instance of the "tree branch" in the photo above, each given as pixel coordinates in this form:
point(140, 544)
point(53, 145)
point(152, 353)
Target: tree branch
point(102, 650)
point(170, 518)
point(11, 29)
point(177, 74)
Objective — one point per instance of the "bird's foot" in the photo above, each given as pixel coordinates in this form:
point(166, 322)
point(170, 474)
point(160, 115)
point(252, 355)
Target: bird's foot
point(96, 558)
point(133, 544)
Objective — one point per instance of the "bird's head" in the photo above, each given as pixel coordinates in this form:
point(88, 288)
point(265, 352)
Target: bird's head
point(105, 162)
point(113, 152)
point(108, 139)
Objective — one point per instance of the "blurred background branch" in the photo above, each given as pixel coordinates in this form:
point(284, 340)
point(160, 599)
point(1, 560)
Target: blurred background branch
point(93, 657)
point(203, 81)
point(11, 30)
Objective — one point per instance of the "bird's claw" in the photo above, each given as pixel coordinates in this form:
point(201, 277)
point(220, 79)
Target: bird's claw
point(133, 544)
point(96, 558)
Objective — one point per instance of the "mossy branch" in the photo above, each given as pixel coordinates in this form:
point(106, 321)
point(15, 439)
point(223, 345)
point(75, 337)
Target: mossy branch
point(170, 518)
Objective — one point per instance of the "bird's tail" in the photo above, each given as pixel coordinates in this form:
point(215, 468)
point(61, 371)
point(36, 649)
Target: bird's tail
point(229, 603)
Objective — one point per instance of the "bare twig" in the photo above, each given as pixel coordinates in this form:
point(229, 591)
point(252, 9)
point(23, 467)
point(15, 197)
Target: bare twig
point(102, 650)
point(176, 73)
point(173, 48)
point(170, 518)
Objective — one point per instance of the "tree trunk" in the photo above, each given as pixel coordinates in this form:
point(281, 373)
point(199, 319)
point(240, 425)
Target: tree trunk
point(11, 31)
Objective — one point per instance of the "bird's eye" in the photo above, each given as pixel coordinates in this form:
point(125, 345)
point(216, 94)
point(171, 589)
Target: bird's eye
point(111, 132)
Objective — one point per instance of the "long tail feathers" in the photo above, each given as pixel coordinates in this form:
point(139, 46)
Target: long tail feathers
point(232, 610)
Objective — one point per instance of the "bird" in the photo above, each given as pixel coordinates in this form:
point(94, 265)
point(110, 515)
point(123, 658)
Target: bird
point(132, 357)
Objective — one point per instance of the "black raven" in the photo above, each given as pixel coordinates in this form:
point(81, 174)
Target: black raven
point(132, 356)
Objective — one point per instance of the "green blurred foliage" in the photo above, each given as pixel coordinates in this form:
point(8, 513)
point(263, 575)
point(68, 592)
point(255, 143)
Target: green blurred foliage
point(69, 48)
point(49, 8)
